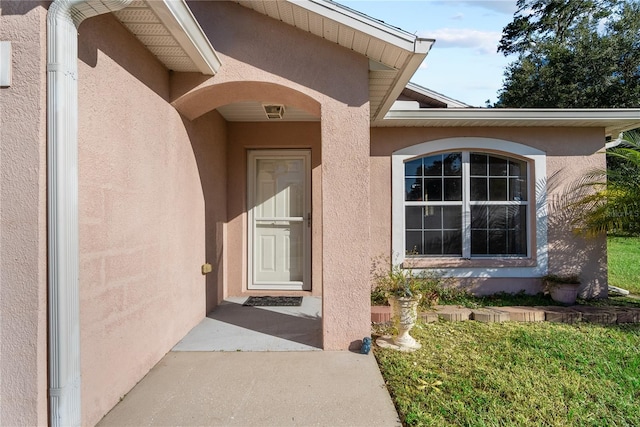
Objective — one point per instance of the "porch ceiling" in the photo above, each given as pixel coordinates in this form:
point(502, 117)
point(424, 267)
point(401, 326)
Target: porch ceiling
point(169, 30)
point(394, 55)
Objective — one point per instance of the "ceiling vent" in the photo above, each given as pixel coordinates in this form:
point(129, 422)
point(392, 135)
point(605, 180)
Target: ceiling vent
point(273, 111)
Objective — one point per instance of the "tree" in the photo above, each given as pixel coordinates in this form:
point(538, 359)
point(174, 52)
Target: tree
point(608, 200)
point(573, 54)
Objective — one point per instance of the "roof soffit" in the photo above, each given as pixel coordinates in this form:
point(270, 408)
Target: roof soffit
point(170, 31)
point(394, 55)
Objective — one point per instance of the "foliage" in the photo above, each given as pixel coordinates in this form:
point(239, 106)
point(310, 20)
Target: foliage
point(392, 279)
point(608, 200)
point(624, 263)
point(572, 54)
point(473, 374)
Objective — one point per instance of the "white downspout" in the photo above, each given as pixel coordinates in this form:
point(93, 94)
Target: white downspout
point(63, 18)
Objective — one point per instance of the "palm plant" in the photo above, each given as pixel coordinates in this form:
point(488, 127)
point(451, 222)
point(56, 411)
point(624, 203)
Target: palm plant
point(608, 200)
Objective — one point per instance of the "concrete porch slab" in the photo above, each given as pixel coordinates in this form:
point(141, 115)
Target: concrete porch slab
point(234, 327)
point(258, 389)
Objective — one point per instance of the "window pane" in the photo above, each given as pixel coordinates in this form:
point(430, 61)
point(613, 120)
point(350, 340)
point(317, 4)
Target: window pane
point(433, 165)
point(497, 217)
point(433, 189)
point(517, 189)
point(413, 168)
point(497, 189)
point(433, 217)
point(452, 217)
point(453, 164)
point(414, 242)
point(517, 168)
point(478, 189)
point(478, 164)
point(497, 166)
point(413, 189)
point(497, 242)
point(452, 243)
point(413, 217)
point(479, 245)
point(453, 189)
point(479, 216)
point(433, 242)
point(517, 242)
point(518, 217)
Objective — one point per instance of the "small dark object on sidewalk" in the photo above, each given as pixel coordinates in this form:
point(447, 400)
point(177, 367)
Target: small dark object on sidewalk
point(366, 345)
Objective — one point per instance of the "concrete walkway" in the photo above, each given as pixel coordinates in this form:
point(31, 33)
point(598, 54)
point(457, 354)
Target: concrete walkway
point(258, 366)
point(310, 388)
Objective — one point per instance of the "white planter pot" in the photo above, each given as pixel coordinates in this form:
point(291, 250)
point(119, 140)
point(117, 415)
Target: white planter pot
point(405, 314)
point(565, 293)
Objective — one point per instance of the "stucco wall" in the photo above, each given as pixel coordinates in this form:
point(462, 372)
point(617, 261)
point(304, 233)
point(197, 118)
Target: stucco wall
point(23, 239)
point(570, 152)
point(142, 214)
point(265, 60)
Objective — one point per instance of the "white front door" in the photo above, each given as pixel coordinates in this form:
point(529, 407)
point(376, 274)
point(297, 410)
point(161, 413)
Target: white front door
point(279, 219)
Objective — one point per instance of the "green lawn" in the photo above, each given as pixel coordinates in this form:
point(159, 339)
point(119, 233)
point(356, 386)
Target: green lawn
point(624, 263)
point(478, 374)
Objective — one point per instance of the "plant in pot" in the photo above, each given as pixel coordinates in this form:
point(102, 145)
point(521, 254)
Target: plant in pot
point(403, 291)
point(562, 288)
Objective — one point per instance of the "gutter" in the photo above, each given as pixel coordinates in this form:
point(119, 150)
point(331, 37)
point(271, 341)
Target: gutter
point(63, 19)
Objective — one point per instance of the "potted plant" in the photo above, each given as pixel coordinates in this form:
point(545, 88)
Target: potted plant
point(562, 288)
point(404, 291)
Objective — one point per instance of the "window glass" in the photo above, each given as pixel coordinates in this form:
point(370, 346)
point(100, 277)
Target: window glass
point(496, 198)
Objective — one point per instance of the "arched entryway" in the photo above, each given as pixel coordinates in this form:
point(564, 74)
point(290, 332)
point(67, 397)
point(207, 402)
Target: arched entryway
point(263, 236)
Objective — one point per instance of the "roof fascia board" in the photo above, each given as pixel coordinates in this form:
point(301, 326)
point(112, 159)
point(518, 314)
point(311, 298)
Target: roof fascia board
point(631, 114)
point(614, 120)
point(176, 16)
point(405, 74)
point(451, 103)
point(359, 22)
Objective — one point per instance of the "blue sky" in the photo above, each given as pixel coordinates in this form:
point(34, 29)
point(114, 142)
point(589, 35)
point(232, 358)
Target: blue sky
point(463, 63)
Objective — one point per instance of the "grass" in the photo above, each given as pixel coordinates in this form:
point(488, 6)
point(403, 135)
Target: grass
point(624, 263)
point(498, 374)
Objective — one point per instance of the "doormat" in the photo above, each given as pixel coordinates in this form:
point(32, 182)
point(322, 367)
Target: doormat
point(273, 301)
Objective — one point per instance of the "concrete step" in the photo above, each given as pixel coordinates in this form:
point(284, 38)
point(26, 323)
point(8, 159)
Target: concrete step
point(524, 314)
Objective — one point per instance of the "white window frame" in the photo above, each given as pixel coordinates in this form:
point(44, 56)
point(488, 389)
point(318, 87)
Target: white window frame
point(537, 171)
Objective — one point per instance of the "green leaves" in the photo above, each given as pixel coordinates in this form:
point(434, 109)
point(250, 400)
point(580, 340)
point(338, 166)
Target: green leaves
point(609, 200)
point(573, 54)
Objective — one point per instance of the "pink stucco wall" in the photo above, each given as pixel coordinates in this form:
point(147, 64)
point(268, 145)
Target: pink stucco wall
point(23, 238)
point(570, 152)
point(143, 214)
point(332, 84)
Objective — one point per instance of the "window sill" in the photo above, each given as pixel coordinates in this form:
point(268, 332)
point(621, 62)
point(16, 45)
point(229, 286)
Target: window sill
point(467, 263)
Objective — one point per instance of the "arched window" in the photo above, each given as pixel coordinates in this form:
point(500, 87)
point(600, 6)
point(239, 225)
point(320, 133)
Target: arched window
point(470, 207)
point(466, 204)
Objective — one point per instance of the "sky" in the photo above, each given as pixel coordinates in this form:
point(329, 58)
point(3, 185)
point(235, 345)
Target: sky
point(463, 63)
